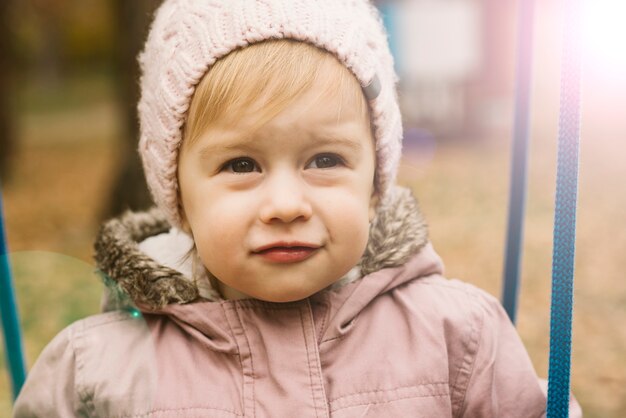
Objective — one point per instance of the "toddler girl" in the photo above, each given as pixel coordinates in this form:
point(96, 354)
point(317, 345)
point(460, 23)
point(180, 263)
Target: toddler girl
point(284, 274)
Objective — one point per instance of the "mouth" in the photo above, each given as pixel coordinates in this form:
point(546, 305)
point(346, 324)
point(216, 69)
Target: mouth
point(283, 252)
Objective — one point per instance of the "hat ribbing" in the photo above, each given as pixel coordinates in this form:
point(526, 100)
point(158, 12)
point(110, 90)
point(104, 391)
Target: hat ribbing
point(188, 36)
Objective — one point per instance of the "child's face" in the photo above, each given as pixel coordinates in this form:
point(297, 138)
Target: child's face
point(305, 178)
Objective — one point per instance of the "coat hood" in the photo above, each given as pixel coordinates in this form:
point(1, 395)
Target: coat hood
point(142, 258)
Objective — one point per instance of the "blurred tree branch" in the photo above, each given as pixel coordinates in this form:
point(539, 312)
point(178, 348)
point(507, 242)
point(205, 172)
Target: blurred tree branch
point(7, 131)
point(49, 15)
point(129, 190)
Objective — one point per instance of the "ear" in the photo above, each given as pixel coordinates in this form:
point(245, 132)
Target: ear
point(373, 204)
point(184, 223)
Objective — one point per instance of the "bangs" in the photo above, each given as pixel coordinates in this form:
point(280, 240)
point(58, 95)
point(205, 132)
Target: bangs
point(262, 80)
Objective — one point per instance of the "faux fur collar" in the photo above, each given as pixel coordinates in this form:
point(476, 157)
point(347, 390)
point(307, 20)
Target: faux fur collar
point(396, 234)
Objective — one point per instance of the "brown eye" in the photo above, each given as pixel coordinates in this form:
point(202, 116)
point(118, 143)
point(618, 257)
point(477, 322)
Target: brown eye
point(326, 161)
point(241, 165)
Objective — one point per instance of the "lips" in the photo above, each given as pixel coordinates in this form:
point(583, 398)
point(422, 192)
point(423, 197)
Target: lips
point(283, 252)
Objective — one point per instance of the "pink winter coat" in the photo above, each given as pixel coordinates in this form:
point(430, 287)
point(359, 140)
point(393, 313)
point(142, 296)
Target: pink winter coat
point(394, 338)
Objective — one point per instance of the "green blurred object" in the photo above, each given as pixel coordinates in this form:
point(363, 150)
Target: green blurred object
point(10, 319)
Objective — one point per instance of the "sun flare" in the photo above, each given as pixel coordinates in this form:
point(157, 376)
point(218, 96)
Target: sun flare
point(604, 35)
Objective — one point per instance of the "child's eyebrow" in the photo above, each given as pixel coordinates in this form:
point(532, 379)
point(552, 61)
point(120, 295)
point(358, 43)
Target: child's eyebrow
point(337, 140)
point(210, 149)
point(246, 144)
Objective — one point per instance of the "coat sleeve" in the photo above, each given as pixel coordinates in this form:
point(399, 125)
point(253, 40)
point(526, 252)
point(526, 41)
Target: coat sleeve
point(50, 388)
point(503, 382)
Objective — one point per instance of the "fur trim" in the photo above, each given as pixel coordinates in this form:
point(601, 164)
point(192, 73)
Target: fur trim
point(118, 256)
point(397, 233)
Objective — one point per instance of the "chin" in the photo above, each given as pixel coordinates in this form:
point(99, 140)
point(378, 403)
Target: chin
point(288, 296)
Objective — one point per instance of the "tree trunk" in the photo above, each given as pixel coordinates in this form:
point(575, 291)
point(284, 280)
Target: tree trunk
point(129, 190)
point(7, 133)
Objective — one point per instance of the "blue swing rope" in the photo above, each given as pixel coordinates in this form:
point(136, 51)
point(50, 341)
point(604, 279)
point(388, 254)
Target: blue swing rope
point(519, 160)
point(10, 321)
point(565, 217)
point(566, 198)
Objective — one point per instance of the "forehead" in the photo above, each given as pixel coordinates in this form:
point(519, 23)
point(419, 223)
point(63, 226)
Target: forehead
point(328, 98)
point(305, 123)
point(323, 107)
point(328, 111)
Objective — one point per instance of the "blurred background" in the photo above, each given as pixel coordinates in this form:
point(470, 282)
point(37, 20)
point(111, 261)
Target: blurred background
point(68, 134)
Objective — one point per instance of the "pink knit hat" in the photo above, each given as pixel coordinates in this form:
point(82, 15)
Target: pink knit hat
point(188, 36)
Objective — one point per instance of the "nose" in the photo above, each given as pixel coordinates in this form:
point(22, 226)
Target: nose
point(285, 199)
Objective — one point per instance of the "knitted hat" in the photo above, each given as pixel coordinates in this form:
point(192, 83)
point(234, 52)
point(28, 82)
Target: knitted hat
point(188, 36)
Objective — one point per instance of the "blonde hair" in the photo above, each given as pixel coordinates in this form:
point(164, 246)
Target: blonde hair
point(237, 81)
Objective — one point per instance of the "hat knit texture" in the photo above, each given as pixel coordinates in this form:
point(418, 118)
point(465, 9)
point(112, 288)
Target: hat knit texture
point(188, 36)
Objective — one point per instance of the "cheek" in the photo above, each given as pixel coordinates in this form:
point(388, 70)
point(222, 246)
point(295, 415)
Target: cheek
point(350, 238)
point(357, 229)
point(347, 218)
point(219, 226)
